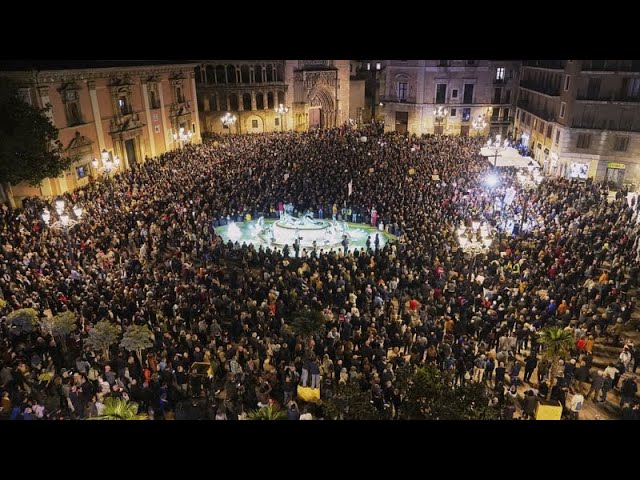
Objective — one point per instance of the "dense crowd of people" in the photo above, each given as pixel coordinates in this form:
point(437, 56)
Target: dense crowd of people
point(146, 252)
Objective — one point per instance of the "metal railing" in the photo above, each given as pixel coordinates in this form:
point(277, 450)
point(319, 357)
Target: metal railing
point(536, 87)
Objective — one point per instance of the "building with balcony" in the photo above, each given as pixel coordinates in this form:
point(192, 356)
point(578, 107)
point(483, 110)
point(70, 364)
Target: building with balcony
point(581, 118)
point(314, 92)
point(467, 90)
point(129, 111)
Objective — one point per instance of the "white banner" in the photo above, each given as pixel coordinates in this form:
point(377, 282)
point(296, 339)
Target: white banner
point(350, 187)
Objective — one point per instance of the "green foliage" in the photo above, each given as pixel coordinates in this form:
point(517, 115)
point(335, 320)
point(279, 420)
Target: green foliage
point(29, 146)
point(63, 324)
point(120, 409)
point(351, 403)
point(22, 320)
point(428, 395)
point(308, 323)
point(267, 413)
point(102, 336)
point(136, 338)
point(556, 342)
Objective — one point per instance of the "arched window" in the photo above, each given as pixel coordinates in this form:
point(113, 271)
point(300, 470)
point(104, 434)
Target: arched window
point(257, 70)
point(246, 101)
point(244, 73)
point(270, 100)
point(198, 75)
point(269, 73)
point(259, 101)
point(211, 76)
point(233, 100)
point(213, 103)
point(231, 74)
point(279, 73)
point(123, 104)
point(219, 77)
point(153, 100)
point(281, 97)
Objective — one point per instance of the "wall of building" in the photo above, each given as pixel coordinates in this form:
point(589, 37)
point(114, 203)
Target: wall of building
point(593, 109)
point(295, 81)
point(84, 106)
point(356, 100)
point(422, 78)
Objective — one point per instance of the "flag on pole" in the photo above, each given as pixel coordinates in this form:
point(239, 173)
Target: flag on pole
point(350, 187)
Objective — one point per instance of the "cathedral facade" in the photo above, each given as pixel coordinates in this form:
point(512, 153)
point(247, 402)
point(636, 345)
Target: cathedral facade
point(272, 95)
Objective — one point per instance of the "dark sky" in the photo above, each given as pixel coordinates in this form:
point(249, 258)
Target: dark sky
point(50, 64)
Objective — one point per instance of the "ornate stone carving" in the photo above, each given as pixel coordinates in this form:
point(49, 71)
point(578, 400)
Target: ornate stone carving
point(118, 81)
point(311, 79)
point(125, 122)
point(314, 63)
point(69, 92)
point(79, 141)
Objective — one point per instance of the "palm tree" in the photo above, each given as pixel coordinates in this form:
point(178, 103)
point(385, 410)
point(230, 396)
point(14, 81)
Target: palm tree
point(267, 413)
point(308, 323)
point(557, 344)
point(120, 409)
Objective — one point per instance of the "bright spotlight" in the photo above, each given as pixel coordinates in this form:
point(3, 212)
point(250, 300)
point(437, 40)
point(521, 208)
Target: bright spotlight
point(492, 180)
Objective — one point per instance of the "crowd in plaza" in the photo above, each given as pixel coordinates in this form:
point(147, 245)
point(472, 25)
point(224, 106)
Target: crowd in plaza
point(146, 253)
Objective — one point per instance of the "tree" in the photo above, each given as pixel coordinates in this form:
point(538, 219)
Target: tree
point(29, 146)
point(428, 395)
point(120, 409)
point(22, 320)
point(136, 339)
point(267, 413)
point(308, 323)
point(102, 336)
point(557, 344)
point(61, 326)
point(351, 403)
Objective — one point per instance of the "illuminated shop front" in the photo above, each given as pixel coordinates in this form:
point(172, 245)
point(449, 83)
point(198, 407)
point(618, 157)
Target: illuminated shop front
point(615, 173)
point(578, 170)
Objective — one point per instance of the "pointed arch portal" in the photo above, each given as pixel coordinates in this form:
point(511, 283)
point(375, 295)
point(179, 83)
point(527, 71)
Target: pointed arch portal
point(321, 108)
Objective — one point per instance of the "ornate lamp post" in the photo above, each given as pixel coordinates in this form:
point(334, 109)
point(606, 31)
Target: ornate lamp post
point(65, 221)
point(440, 113)
point(281, 110)
point(182, 137)
point(108, 166)
point(475, 240)
point(228, 120)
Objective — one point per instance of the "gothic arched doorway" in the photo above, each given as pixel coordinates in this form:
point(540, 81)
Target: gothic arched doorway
point(321, 109)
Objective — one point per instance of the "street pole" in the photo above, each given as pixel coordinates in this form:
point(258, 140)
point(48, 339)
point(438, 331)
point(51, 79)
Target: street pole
point(69, 251)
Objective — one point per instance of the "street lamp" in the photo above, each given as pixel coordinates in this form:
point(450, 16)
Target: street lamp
point(475, 240)
point(182, 137)
point(228, 120)
point(497, 146)
point(479, 124)
point(65, 221)
point(440, 113)
point(281, 110)
point(108, 165)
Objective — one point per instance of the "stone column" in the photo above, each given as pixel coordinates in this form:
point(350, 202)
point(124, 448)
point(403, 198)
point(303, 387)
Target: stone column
point(97, 119)
point(165, 134)
point(253, 101)
point(194, 101)
point(147, 112)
